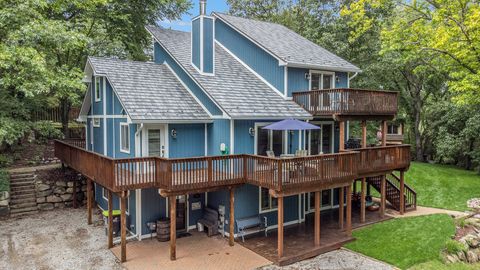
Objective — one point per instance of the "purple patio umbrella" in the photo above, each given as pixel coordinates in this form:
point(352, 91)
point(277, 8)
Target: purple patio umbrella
point(291, 124)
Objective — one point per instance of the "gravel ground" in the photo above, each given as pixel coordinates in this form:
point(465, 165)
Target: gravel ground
point(59, 239)
point(341, 259)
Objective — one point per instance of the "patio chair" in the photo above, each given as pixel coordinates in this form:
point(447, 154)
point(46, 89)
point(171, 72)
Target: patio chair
point(270, 154)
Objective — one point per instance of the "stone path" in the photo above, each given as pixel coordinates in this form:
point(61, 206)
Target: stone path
point(341, 259)
point(423, 211)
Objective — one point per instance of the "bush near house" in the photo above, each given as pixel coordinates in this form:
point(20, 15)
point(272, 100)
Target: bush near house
point(4, 181)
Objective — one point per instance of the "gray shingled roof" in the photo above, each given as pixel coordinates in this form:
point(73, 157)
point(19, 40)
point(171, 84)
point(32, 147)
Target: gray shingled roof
point(237, 90)
point(149, 91)
point(287, 45)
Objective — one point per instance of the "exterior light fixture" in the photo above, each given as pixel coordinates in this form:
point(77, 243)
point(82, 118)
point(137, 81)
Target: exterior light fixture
point(251, 131)
point(307, 76)
point(173, 133)
point(337, 79)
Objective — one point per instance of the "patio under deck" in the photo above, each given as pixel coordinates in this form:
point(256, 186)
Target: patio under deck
point(298, 238)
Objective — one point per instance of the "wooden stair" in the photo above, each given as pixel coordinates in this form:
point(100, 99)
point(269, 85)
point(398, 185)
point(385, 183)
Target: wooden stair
point(22, 194)
point(393, 191)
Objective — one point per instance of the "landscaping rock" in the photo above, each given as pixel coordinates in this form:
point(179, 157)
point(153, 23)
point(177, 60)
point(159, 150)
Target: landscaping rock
point(472, 240)
point(461, 256)
point(474, 203)
point(66, 197)
point(59, 190)
point(43, 187)
point(70, 184)
point(451, 258)
point(4, 211)
point(69, 190)
point(4, 203)
point(4, 195)
point(61, 184)
point(472, 257)
point(41, 200)
point(44, 193)
point(45, 206)
point(59, 205)
point(53, 198)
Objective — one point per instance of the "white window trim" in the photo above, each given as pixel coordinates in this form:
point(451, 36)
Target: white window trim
point(332, 83)
point(97, 98)
point(103, 194)
point(123, 150)
point(93, 122)
point(270, 198)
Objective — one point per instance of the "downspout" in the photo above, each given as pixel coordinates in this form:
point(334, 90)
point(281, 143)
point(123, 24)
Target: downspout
point(351, 78)
point(138, 193)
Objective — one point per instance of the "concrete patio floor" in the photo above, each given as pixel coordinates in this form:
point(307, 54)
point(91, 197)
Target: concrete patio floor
point(193, 252)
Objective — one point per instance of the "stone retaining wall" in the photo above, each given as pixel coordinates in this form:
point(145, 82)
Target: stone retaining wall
point(54, 189)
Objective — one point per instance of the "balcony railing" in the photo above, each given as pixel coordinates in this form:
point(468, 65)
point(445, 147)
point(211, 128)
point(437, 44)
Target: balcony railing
point(298, 174)
point(348, 101)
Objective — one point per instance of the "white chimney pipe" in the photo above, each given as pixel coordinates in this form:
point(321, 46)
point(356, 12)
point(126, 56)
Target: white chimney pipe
point(203, 7)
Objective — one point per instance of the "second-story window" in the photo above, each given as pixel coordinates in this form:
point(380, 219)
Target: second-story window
point(124, 137)
point(97, 89)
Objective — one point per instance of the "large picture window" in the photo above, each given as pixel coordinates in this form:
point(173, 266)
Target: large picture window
point(124, 137)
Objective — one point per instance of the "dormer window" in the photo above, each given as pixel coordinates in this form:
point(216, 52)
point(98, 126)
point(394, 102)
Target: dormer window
point(97, 89)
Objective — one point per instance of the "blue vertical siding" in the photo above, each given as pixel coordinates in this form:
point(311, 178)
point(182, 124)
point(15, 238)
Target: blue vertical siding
point(196, 42)
point(153, 207)
point(190, 140)
point(256, 58)
point(98, 138)
point(98, 105)
point(296, 80)
point(208, 45)
point(162, 56)
point(88, 134)
point(110, 135)
point(342, 79)
point(218, 132)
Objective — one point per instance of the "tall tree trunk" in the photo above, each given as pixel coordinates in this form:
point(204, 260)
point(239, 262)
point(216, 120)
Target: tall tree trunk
point(65, 104)
point(417, 111)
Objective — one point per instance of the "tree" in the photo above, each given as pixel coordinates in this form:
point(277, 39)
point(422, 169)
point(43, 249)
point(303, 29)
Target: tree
point(44, 44)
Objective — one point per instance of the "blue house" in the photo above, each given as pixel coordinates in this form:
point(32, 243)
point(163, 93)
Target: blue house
point(209, 92)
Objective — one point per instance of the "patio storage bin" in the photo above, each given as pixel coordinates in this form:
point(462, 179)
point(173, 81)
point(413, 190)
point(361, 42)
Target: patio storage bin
point(116, 221)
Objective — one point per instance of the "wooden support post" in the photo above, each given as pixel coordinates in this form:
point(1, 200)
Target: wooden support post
point(110, 220)
point(362, 200)
point(74, 194)
point(232, 217)
point(280, 227)
point(402, 192)
point(123, 225)
point(341, 140)
point(89, 201)
point(349, 210)
point(317, 218)
point(384, 133)
point(341, 203)
point(364, 134)
point(383, 198)
point(172, 201)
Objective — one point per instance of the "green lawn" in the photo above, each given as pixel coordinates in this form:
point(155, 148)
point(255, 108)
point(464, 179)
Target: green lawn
point(405, 242)
point(443, 186)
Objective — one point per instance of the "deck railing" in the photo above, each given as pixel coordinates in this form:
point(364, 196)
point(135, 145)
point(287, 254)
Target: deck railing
point(187, 174)
point(347, 101)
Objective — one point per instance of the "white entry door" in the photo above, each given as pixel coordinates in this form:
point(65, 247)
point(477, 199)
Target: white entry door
point(154, 142)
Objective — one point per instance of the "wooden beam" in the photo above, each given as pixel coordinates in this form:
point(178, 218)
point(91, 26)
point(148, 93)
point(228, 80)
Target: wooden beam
point(341, 140)
point(364, 134)
point(384, 133)
point(232, 217)
point(172, 201)
point(361, 117)
point(402, 192)
point(89, 201)
point(383, 199)
point(362, 200)
point(110, 220)
point(280, 228)
point(317, 219)
point(341, 203)
point(123, 225)
point(349, 210)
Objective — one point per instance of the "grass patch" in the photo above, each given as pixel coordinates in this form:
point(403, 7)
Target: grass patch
point(443, 186)
point(4, 181)
point(405, 242)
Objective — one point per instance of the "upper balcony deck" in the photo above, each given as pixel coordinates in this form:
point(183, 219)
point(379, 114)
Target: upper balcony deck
point(198, 174)
point(349, 103)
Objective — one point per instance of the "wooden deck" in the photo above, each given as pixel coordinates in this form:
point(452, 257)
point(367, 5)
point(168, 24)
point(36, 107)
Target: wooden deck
point(192, 175)
point(349, 103)
point(298, 238)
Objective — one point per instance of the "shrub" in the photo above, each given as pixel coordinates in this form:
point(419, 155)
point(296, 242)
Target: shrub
point(453, 247)
point(5, 160)
point(45, 130)
point(4, 181)
point(12, 130)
